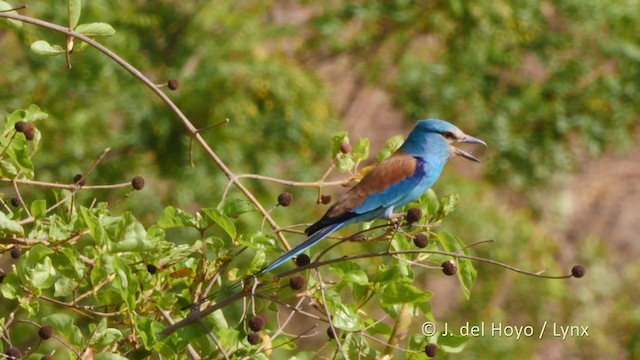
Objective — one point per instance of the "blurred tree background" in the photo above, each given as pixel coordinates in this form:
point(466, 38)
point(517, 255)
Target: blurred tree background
point(550, 86)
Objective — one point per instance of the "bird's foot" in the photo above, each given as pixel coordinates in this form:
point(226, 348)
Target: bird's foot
point(392, 217)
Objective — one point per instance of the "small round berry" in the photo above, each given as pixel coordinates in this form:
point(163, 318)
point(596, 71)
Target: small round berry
point(325, 199)
point(78, 179)
point(578, 271)
point(285, 198)
point(331, 334)
point(253, 338)
point(13, 353)
point(173, 84)
point(421, 240)
point(20, 126)
point(15, 252)
point(45, 332)
point(414, 214)
point(47, 357)
point(151, 269)
point(449, 267)
point(2, 275)
point(29, 131)
point(297, 282)
point(137, 182)
point(431, 350)
point(15, 202)
point(258, 322)
point(302, 260)
point(345, 148)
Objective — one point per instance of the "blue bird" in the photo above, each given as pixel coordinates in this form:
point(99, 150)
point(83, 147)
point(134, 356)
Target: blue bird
point(393, 183)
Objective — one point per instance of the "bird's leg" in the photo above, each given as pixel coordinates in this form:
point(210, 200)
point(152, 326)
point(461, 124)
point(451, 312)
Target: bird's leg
point(389, 215)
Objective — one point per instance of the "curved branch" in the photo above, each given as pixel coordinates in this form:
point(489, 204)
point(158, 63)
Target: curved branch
point(153, 87)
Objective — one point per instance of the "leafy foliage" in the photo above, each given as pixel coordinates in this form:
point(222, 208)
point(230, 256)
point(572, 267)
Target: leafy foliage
point(124, 280)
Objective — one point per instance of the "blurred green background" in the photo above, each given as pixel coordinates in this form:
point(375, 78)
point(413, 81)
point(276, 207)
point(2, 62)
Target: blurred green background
point(552, 87)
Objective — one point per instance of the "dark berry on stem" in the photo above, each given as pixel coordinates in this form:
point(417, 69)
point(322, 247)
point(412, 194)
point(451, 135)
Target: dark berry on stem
point(15, 202)
point(414, 214)
point(137, 182)
point(15, 252)
point(29, 131)
point(173, 84)
point(345, 148)
point(297, 282)
point(47, 357)
point(449, 267)
point(79, 180)
point(302, 260)
point(330, 333)
point(431, 350)
point(578, 271)
point(13, 353)
point(285, 198)
point(20, 126)
point(151, 269)
point(421, 241)
point(325, 199)
point(257, 323)
point(253, 338)
point(45, 332)
point(2, 276)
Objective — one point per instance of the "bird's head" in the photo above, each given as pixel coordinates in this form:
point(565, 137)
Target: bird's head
point(449, 133)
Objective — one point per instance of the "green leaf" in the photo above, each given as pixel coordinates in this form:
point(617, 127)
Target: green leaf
point(33, 114)
point(43, 48)
point(67, 262)
point(95, 29)
point(344, 316)
point(350, 272)
point(32, 307)
point(74, 8)
point(399, 293)
point(63, 325)
point(224, 222)
point(125, 282)
point(9, 227)
point(259, 241)
point(11, 288)
point(30, 268)
point(447, 205)
point(452, 343)
point(64, 287)
point(43, 275)
point(147, 329)
point(129, 235)
point(361, 149)
point(38, 208)
point(104, 336)
point(345, 162)
point(172, 217)
point(466, 273)
point(13, 24)
point(233, 207)
point(390, 146)
point(337, 141)
point(357, 347)
point(96, 230)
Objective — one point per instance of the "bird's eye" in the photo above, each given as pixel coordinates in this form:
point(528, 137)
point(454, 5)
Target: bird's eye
point(448, 135)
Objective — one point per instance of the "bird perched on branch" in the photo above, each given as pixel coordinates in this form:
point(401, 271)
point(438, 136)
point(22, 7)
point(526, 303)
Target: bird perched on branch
point(393, 183)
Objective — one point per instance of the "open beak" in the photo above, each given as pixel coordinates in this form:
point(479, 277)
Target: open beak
point(472, 140)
